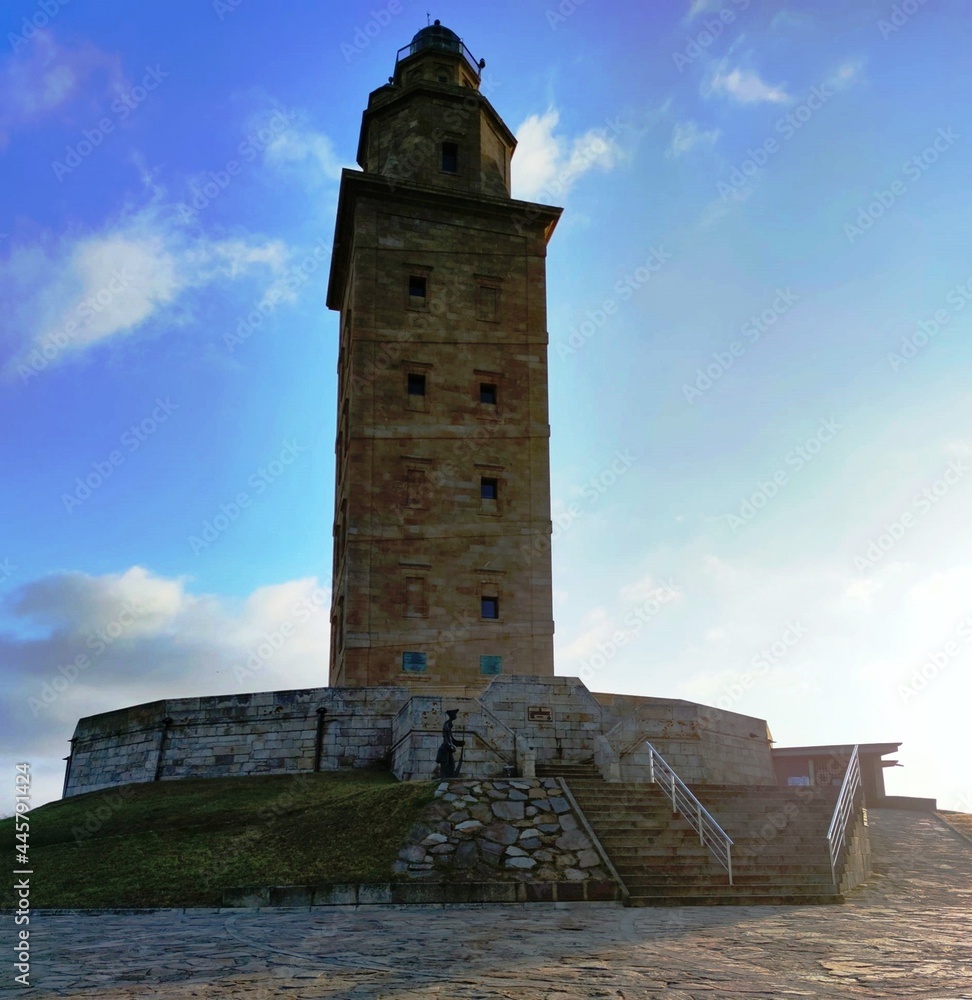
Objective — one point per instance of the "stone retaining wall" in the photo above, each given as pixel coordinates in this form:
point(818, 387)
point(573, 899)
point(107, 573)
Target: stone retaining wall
point(514, 720)
point(503, 830)
point(273, 732)
point(415, 893)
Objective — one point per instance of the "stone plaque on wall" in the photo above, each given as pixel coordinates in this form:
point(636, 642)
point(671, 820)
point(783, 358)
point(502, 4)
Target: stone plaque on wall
point(539, 713)
point(491, 664)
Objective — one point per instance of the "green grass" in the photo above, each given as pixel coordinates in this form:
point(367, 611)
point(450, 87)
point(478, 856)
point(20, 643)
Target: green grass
point(180, 843)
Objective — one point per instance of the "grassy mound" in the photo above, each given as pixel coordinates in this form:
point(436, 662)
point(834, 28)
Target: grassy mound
point(180, 843)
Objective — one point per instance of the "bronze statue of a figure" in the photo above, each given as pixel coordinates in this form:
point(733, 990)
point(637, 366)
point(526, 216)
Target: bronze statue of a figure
point(445, 758)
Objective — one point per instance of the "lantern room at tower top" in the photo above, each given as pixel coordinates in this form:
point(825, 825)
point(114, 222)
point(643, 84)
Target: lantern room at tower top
point(439, 38)
point(434, 95)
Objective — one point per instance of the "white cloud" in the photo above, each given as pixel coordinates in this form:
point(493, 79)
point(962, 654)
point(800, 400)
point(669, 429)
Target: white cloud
point(597, 627)
point(547, 165)
point(307, 148)
point(743, 85)
point(42, 77)
point(80, 291)
point(145, 638)
point(845, 75)
point(699, 7)
point(648, 589)
point(686, 136)
point(865, 588)
point(934, 603)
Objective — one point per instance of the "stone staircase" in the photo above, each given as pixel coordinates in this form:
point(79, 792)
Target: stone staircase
point(780, 853)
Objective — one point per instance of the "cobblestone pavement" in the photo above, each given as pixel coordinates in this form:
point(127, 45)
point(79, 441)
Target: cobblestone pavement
point(908, 933)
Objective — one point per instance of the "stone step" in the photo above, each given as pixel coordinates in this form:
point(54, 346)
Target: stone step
point(738, 830)
point(794, 845)
point(635, 866)
point(569, 774)
point(723, 888)
point(739, 878)
point(646, 855)
point(603, 798)
point(662, 866)
point(771, 798)
point(744, 810)
point(773, 896)
point(646, 823)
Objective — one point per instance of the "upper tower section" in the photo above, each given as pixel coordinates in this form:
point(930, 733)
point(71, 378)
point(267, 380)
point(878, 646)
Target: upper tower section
point(431, 126)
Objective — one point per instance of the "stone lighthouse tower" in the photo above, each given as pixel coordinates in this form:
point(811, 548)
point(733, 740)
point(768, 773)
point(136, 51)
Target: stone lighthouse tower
point(442, 525)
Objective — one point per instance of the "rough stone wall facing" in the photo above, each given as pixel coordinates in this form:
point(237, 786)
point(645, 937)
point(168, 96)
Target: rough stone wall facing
point(515, 718)
point(517, 829)
point(272, 732)
point(417, 544)
point(702, 743)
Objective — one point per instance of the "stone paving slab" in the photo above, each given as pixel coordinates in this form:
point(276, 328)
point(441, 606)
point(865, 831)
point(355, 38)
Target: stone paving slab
point(907, 934)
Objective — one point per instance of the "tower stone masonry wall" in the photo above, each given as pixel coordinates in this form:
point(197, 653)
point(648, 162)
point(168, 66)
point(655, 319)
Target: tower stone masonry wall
point(442, 492)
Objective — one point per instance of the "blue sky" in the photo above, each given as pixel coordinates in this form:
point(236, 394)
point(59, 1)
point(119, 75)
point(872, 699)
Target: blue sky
point(759, 310)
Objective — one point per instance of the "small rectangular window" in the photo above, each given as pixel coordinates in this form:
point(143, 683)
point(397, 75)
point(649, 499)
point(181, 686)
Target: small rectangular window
point(417, 286)
point(488, 393)
point(489, 607)
point(415, 488)
point(414, 663)
point(450, 157)
point(488, 299)
point(416, 384)
point(416, 599)
point(489, 488)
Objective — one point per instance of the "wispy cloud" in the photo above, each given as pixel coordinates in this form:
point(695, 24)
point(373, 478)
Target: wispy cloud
point(303, 147)
point(742, 85)
point(46, 77)
point(846, 75)
point(79, 291)
point(699, 7)
point(687, 136)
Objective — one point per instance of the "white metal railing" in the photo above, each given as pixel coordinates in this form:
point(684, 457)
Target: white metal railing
point(711, 835)
point(845, 811)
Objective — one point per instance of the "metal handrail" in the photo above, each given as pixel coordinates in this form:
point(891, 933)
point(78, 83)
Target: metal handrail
point(711, 835)
point(844, 811)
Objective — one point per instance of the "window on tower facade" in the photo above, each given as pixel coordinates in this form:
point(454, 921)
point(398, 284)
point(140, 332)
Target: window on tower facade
point(416, 488)
point(489, 607)
point(416, 597)
point(487, 303)
point(418, 289)
point(450, 157)
point(489, 488)
point(414, 662)
point(488, 393)
point(416, 386)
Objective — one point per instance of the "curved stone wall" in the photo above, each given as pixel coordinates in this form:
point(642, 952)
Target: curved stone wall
point(547, 718)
